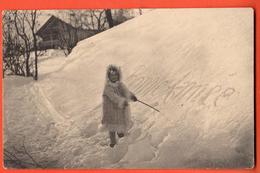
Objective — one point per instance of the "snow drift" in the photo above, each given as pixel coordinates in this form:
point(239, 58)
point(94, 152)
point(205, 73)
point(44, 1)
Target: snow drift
point(194, 65)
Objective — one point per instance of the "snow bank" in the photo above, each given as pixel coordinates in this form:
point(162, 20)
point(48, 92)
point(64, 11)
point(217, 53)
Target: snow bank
point(199, 70)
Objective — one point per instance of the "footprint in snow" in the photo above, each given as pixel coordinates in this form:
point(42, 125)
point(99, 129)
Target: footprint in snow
point(118, 152)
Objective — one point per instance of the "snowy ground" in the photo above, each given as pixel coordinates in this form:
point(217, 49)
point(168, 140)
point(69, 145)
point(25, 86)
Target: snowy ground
point(197, 71)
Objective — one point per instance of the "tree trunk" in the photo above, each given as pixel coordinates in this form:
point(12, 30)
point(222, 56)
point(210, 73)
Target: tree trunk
point(33, 20)
point(109, 18)
point(27, 66)
point(36, 59)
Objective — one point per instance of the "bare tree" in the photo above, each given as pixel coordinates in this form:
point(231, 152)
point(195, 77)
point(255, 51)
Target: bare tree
point(13, 61)
point(31, 19)
point(21, 30)
point(109, 18)
point(99, 18)
point(19, 35)
point(89, 19)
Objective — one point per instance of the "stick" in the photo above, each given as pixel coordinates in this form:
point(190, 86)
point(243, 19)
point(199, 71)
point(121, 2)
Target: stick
point(148, 105)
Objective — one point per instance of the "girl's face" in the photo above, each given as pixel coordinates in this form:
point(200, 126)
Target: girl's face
point(113, 77)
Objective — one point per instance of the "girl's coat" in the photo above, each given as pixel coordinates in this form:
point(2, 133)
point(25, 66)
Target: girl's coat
point(116, 116)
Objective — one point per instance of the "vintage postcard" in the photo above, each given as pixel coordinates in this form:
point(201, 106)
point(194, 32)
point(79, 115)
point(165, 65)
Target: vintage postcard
point(128, 88)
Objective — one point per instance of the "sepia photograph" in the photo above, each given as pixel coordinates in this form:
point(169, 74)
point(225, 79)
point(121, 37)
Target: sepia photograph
point(129, 88)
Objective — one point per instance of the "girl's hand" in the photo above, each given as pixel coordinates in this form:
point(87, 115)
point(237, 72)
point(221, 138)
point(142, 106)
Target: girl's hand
point(133, 97)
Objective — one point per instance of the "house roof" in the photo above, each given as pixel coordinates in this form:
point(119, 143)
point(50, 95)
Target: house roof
point(45, 21)
point(50, 20)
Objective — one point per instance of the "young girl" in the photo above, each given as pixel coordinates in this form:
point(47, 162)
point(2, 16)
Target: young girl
point(116, 110)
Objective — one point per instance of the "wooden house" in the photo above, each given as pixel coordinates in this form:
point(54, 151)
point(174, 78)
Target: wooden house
point(56, 33)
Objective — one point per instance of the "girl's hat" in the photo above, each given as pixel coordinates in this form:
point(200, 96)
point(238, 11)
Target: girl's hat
point(113, 69)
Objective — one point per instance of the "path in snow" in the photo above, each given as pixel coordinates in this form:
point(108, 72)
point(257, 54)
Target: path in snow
point(28, 121)
point(58, 136)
